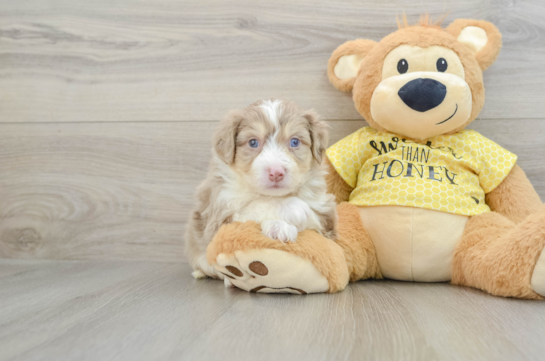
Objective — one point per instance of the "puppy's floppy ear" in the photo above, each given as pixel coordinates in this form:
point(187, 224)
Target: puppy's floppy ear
point(345, 62)
point(481, 37)
point(319, 134)
point(225, 136)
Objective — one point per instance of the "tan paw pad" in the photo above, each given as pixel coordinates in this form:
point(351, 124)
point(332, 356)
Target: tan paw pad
point(271, 271)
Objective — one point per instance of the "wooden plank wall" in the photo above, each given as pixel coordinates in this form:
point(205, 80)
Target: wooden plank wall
point(107, 107)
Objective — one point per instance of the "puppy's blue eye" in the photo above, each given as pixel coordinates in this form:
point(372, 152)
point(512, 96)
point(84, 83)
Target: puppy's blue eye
point(253, 143)
point(294, 143)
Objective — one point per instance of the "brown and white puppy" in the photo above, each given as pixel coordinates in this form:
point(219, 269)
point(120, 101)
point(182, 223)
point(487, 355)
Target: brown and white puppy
point(266, 167)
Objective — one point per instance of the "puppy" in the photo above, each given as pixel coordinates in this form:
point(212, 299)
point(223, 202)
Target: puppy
point(266, 167)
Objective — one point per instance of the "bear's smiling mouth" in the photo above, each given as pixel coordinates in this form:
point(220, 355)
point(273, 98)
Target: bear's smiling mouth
point(455, 110)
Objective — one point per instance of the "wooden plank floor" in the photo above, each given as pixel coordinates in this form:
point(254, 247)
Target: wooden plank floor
point(78, 310)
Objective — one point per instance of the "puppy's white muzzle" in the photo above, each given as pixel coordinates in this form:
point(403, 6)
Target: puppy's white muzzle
point(271, 170)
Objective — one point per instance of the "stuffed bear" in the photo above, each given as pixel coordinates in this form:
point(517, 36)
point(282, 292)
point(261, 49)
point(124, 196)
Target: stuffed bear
point(421, 198)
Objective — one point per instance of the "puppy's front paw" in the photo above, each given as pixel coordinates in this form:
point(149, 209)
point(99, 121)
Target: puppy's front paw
point(280, 230)
point(198, 274)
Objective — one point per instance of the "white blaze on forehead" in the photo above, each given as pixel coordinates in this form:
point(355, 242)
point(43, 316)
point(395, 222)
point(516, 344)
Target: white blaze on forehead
point(272, 110)
point(274, 154)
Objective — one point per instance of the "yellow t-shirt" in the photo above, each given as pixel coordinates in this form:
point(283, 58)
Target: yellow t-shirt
point(447, 173)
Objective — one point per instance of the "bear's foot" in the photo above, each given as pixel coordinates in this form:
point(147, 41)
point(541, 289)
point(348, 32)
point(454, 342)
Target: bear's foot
point(255, 263)
point(536, 226)
point(501, 257)
point(538, 276)
point(271, 271)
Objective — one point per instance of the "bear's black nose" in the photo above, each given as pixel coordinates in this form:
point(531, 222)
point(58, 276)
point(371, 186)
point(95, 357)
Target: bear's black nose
point(422, 94)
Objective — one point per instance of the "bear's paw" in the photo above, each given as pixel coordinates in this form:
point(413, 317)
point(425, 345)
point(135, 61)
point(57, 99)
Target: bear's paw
point(271, 271)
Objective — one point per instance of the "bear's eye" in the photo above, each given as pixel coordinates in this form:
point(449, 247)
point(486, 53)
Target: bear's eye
point(402, 66)
point(442, 65)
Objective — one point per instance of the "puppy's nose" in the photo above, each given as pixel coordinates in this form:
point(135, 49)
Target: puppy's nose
point(422, 94)
point(276, 174)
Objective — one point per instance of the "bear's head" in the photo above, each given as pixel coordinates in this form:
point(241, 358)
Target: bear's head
point(420, 81)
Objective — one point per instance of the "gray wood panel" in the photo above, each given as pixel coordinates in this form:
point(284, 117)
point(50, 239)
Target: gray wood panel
point(165, 60)
point(124, 190)
point(74, 310)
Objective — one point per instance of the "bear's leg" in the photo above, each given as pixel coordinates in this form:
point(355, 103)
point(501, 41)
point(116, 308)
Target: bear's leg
point(359, 249)
point(502, 258)
point(253, 262)
point(256, 263)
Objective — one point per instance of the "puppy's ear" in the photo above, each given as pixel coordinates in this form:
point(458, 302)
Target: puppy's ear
point(481, 37)
point(319, 134)
point(225, 136)
point(345, 62)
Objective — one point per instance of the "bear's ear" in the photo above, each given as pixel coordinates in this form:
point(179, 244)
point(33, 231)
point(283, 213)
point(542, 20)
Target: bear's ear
point(345, 61)
point(481, 37)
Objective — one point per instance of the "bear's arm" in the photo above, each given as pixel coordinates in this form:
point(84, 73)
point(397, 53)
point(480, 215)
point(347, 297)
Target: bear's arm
point(336, 184)
point(515, 197)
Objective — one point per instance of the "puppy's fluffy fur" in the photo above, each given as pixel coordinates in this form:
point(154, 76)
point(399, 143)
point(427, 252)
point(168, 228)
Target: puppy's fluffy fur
point(266, 167)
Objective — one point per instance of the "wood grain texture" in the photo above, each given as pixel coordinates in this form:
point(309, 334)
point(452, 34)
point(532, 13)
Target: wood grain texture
point(166, 60)
point(74, 310)
point(125, 190)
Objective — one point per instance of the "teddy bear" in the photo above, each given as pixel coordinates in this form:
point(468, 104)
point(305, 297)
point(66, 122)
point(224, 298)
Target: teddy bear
point(420, 197)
